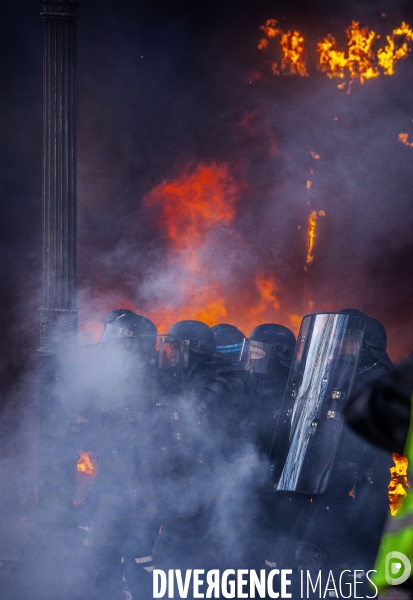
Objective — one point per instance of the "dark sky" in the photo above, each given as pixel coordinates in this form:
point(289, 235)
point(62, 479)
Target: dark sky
point(163, 85)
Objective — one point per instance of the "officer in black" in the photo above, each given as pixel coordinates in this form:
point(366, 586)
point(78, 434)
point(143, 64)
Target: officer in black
point(268, 356)
point(380, 410)
point(345, 525)
point(117, 421)
point(188, 440)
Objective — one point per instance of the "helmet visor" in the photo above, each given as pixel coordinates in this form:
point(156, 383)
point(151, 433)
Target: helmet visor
point(173, 353)
point(260, 357)
point(114, 332)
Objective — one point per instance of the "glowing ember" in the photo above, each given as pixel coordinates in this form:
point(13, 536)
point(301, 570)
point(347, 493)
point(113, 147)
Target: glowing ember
point(398, 484)
point(312, 227)
point(292, 48)
point(85, 464)
point(404, 139)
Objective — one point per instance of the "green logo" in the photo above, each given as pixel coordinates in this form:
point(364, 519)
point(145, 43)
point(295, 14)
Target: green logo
point(397, 568)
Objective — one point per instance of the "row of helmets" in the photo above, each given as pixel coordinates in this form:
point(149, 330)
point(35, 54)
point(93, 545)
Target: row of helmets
point(269, 344)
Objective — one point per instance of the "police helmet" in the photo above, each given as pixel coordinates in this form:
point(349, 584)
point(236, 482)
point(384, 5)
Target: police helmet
point(114, 314)
point(229, 340)
point(128, 324)
point(199, 335)
point(271, 338)
point(375, 334)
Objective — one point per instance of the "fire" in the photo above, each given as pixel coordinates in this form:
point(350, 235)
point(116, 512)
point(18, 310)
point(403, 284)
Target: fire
point(197, 277)
point(267, 287)
point(404, 139)
point(360, 59)
point(390, 54)
point(398, 484)
point(295, 322)
point(293, 59)
point(312, 227)
point(85, 464)
point(191, 209)
point(194, 204)
point(86, 473)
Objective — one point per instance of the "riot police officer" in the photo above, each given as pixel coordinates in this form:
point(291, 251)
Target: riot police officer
point(345, 480)
point(268, 356)
point(119, 418)
point(187, 442)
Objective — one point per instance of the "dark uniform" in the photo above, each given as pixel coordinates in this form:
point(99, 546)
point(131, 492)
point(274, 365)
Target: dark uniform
point(184, 450)
point(114, 428)
point(346, 520)
point(267, 360)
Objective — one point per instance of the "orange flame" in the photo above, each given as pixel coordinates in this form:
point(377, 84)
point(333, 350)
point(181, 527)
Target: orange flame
point(312, 227)
point(293, 60)
point(390, 54)
point(267, 287)
point(196, 211)
point(85, 464)
point(398, 484)
point(360, 62)
point(191, 208)
point(86, 473)
point(404, 139)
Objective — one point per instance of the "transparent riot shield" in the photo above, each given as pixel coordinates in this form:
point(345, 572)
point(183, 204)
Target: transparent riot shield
point(318, 387)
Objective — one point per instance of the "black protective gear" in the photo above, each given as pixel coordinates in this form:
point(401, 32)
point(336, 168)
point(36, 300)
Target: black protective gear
point(281, 338)
point(114, 314)
point(375, 334)
point(200, 336)
point(228, 339)
point(374, 344)
point(128, 324)
point(353, 509)
point(380, 410)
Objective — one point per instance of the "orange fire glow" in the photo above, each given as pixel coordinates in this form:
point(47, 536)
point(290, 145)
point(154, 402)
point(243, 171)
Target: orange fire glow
point(391, 54)
point(404, 139)
point(312, 228)
point(85, 464)
point(293, 59)
point(196, 211)
point(399, 484)
point(191, 208)
point(361, 61)
point(86, 473)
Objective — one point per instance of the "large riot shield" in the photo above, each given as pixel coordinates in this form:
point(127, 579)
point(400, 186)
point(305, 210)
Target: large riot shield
point(319, 384)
